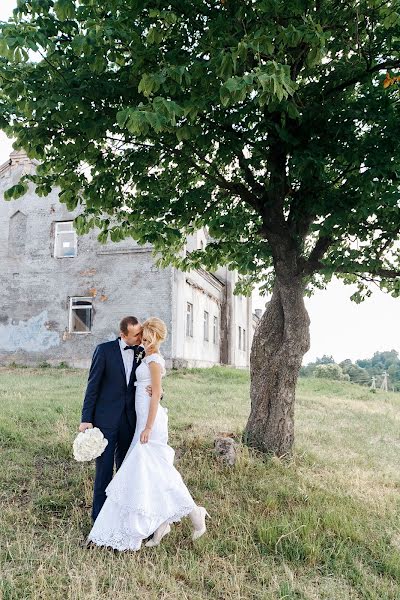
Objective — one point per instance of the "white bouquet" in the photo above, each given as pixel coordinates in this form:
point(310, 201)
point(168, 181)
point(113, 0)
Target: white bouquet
point(89, 444)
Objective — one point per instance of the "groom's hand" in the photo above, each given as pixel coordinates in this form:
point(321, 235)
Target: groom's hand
point(149, 390)
point(84, 426)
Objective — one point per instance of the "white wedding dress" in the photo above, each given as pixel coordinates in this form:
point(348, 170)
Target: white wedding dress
point(147, 490)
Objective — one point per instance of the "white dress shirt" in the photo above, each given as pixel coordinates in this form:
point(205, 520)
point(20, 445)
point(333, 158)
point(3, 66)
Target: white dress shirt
point(128, 358)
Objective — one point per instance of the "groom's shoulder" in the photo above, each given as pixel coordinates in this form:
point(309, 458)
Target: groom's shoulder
point(105, 346)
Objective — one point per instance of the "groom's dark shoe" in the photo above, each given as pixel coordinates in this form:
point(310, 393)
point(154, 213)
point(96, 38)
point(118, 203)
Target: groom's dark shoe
point(88, 545)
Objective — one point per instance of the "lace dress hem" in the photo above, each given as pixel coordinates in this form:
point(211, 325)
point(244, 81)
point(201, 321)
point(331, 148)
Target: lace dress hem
point(126, 540)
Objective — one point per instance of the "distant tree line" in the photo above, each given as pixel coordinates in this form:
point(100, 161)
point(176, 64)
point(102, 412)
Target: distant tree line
point(361, 372)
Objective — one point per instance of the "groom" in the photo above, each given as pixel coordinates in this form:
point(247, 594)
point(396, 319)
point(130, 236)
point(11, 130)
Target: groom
point(109, 402)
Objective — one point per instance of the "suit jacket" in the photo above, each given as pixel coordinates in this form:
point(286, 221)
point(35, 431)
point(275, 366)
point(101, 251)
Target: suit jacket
point(107, 394)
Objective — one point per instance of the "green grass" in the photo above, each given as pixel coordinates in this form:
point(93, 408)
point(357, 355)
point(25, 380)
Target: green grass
point(323, 526)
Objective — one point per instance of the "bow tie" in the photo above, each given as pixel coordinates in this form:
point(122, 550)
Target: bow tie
point(131, 348)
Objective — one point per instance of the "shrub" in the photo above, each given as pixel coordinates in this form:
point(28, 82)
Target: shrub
point(329, 371)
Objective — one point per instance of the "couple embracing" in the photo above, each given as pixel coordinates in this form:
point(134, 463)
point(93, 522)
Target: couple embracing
point(122, 399)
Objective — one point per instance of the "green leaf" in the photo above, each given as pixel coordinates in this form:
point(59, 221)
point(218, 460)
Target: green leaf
point(16, 191)
point(122, 118)
point(136, 122)
point(79, 43)
point(69, 198)
point(392, 19)
point(226, 67)
point(64, 9)
point(168, 108)
point(155, 36)
point(150, 83)
point(184, 133)
point(234, 90)
point(155, 120)
point(242, 51)
point(292, 110)
point(313, 57)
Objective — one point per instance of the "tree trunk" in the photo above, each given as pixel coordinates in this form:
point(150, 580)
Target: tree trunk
point(280, 342)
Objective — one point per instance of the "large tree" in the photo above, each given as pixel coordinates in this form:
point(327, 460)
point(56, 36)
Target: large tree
point(265, 120)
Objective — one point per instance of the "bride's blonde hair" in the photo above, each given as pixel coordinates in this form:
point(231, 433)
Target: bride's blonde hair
point(154, 330)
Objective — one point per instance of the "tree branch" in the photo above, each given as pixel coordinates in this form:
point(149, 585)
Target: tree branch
point(321, 246)
point(384, 247)
point(237, 135)
point(249, 176)
point(235, 187)
point(357, 78)
point(356, 269)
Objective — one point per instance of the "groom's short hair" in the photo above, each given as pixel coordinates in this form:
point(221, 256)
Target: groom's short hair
point(126, 321)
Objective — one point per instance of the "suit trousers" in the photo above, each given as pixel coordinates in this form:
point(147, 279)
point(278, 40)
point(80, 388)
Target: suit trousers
point(119, 441)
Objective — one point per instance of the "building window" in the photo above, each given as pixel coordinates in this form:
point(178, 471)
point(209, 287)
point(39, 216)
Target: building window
point(65, 240)
point(189, 319)
point(215, 330)
point(80, 315)
point(206, 326)
point(240, 338)
point(244, 339)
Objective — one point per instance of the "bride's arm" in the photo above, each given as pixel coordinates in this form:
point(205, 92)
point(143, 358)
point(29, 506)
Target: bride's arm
point(155, 370)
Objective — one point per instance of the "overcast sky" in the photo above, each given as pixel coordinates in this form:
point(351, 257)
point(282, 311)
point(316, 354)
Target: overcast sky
point(338, 326)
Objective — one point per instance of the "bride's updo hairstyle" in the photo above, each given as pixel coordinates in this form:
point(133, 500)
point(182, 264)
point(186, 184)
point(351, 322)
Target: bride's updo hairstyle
point(154, 330)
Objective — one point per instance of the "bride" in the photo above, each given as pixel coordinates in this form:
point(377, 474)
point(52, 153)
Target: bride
point(147, 492)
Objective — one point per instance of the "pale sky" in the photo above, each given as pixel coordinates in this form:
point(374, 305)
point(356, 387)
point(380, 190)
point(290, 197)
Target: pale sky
point(338, 326)
point(6, 8)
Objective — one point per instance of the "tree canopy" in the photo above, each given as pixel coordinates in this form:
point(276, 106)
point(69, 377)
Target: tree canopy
point(259, 119)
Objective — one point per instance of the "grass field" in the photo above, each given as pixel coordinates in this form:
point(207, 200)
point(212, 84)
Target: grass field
point(325, 525)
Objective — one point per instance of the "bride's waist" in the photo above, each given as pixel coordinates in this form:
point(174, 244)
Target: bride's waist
point(142, 406)
point(142, 383)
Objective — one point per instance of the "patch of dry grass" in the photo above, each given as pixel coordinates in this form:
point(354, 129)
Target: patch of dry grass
point(323, 526)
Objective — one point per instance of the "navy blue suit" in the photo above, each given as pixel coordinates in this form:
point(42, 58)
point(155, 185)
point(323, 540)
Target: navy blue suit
point(110, 405)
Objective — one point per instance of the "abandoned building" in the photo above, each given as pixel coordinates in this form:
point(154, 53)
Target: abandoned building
point(63, 294)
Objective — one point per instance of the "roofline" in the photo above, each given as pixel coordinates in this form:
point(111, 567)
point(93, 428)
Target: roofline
point(15, 160)
point(207, 274)
point(4, 166)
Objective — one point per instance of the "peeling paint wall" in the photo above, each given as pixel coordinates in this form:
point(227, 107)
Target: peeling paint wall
point(31, 335)
point(36, 287)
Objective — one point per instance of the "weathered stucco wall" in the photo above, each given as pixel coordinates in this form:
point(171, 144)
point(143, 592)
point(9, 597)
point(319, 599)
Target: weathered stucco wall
point(205, 293)
point(36, 286)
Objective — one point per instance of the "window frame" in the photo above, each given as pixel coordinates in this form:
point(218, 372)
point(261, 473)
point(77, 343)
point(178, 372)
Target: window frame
point(58, 233)
point(215, 330)
point(189, 320)
point(71, 309)
point(206, 326)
